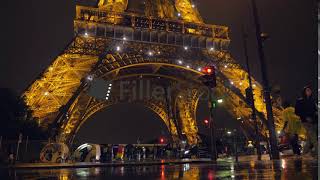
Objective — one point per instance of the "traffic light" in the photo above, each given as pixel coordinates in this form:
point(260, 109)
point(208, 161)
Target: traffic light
point(206, 123)
point(249, 96)
point(208, 69)
point(209, 79)
point(161, 140)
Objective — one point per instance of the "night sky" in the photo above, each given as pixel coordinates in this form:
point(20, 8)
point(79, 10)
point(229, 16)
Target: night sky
point(33, 32)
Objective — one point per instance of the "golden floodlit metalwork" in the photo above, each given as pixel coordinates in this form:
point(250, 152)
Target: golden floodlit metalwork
point(168, 43)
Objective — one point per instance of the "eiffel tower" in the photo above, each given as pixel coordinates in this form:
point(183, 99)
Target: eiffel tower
point(164, 43)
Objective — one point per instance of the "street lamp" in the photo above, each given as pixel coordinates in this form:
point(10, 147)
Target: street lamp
point(250, 97)
point(265, 83)
point(220, 101)
point(229, 132)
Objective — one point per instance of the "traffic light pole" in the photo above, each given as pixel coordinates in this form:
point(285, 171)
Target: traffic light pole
point(212, 126)
point(266, 88)
point(254, 117)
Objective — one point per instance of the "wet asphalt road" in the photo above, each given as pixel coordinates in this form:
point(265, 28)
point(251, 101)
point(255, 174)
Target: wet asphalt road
point(294, 169)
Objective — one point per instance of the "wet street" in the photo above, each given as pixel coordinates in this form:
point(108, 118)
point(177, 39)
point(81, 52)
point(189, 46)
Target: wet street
point(294, 169)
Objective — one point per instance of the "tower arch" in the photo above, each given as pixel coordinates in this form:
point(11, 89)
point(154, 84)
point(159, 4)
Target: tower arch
point(111, 43)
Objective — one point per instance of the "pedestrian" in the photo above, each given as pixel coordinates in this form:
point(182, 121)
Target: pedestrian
point(11, 158)
point(306, 109)
point(155, 152)
point(292, 127)
point(11, 154)
point(129, 150)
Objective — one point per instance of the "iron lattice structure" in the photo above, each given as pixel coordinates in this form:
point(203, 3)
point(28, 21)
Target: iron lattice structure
point(167, 46)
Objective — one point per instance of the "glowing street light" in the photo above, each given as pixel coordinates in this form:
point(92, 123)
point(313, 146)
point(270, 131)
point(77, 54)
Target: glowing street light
point(185, 47)
point(199, 69)
point(228, 132)
point(220, 101)
point(46, 93)
point(225, 66)
point(124, 38)
point(188, 66)
point(86, 34)
point(211, 49)
point(150, 53)
point(232, 82)
point(179, 14)
point(180, 62)
point(193, 6)
point(118, 48)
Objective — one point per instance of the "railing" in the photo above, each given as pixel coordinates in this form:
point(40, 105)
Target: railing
point(96, 15)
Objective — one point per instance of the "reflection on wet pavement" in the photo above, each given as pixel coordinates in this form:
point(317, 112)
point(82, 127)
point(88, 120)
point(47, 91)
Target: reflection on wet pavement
point(279, 170)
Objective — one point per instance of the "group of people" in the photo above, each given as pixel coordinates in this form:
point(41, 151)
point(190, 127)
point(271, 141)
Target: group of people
point(302, 120)
point(131, 152)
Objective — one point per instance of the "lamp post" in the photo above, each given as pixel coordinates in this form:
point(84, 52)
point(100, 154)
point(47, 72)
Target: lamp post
point(212, 126)
point(265, 83)
point(254, 117)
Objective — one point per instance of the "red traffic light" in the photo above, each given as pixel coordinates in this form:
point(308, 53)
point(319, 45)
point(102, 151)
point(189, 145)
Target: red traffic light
point(206, 123)
point(209, 77)
point(208, 70)
point(161, 140)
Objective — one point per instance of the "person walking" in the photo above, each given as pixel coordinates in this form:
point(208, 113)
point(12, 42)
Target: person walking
point(306, 109)
point(292, 127)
